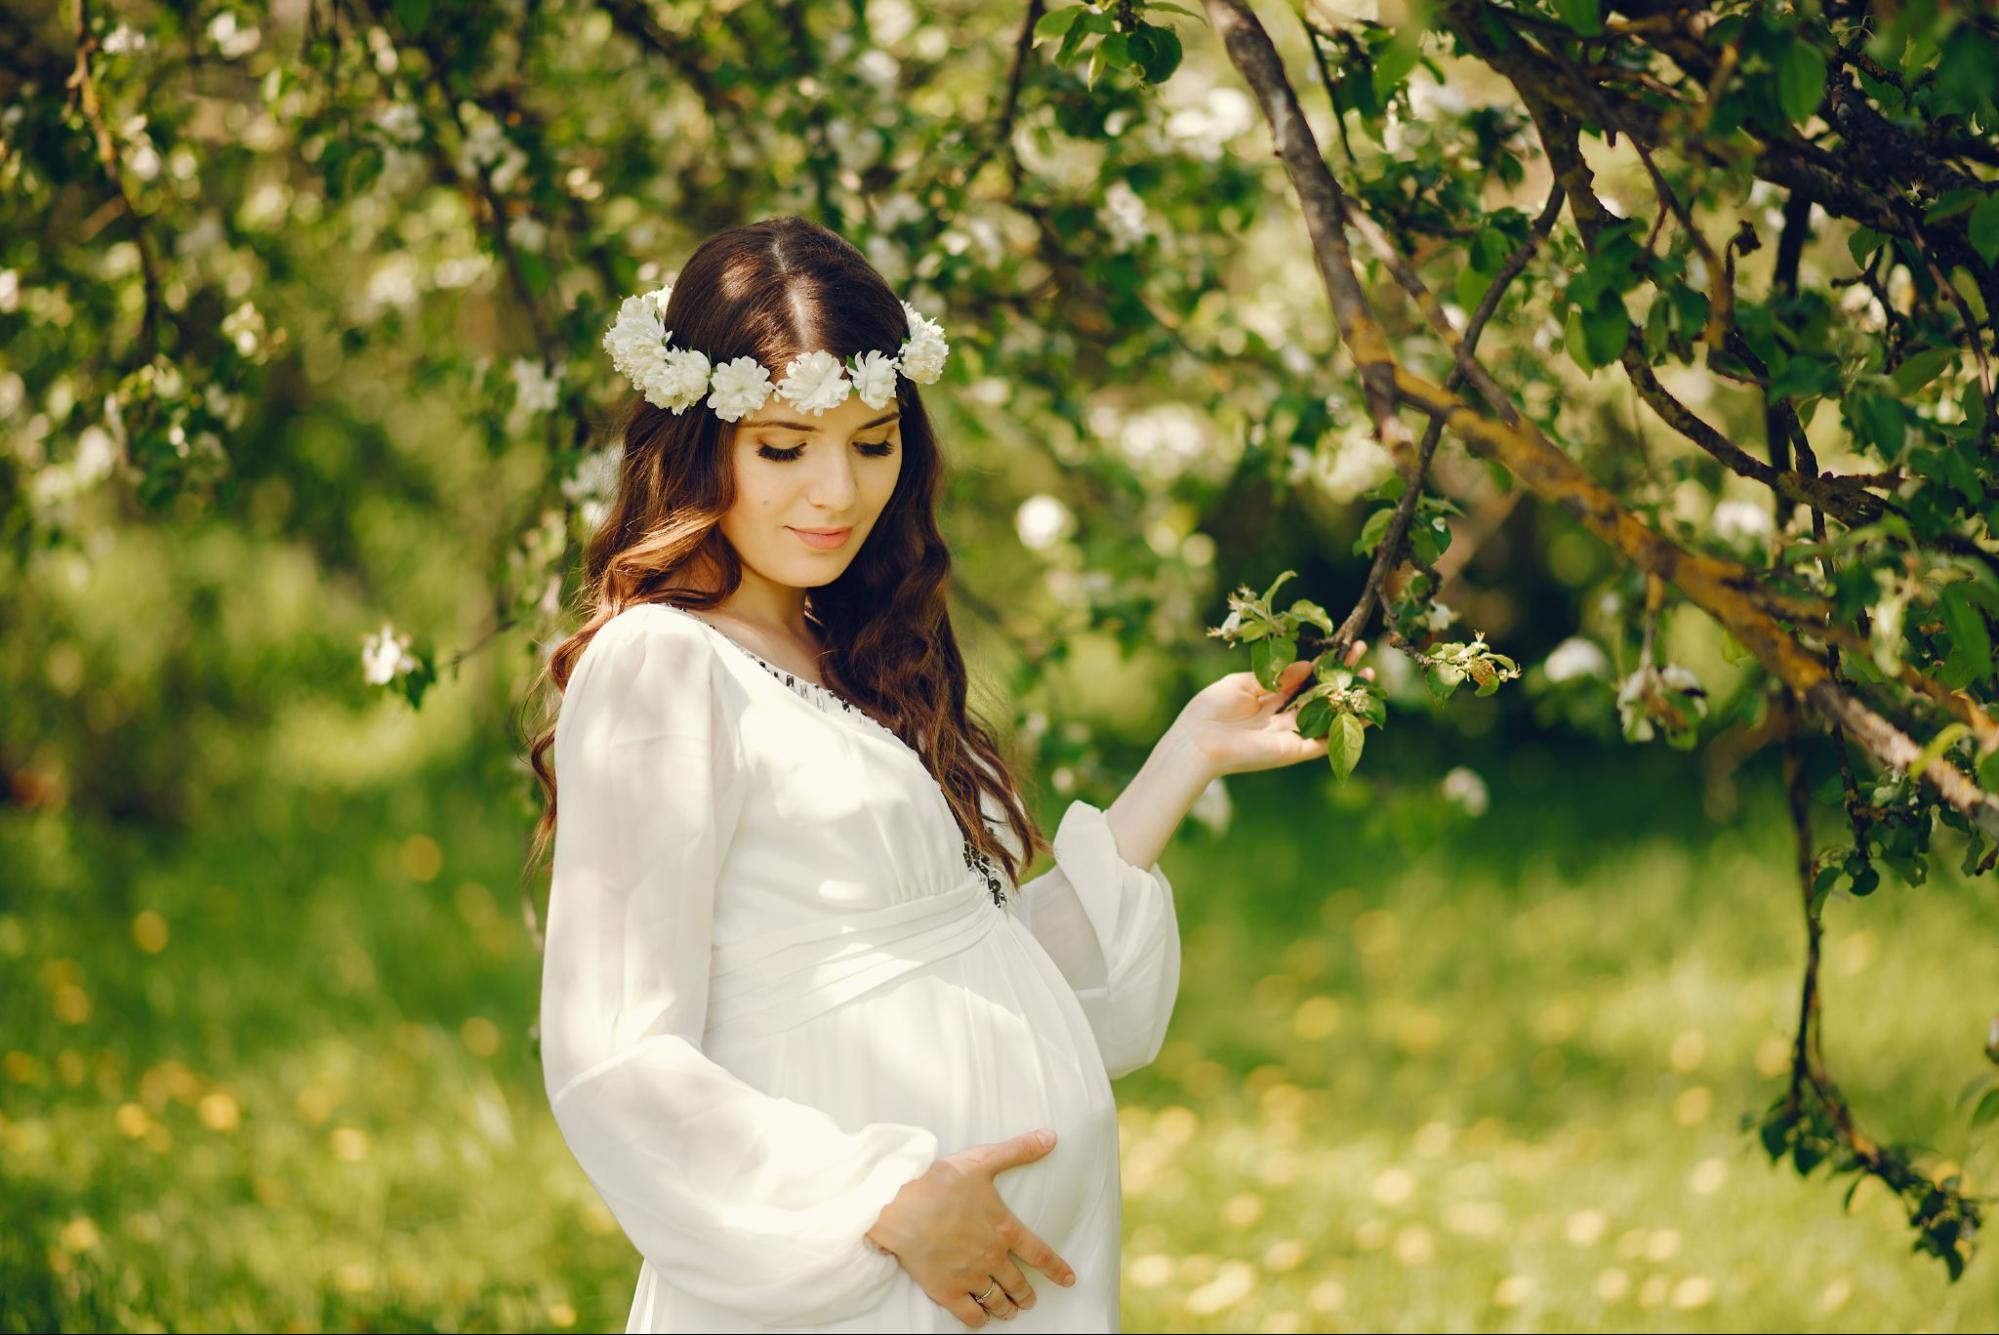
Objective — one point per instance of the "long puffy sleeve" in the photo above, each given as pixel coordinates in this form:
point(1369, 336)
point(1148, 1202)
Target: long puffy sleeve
point(1110, 928)
point(737, 1197)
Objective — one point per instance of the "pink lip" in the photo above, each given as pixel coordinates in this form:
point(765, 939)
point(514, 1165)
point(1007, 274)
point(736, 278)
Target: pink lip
point(824, 540)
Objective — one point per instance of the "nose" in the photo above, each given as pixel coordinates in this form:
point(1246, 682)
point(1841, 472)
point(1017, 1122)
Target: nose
point(833, 486)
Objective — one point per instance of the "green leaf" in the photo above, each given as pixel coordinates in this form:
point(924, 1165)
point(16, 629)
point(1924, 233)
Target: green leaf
point(1393, 64)
point(1922, 368)
point(1057, 22)
point(1605, 328)
point(413, 15)
point(1965, 625)
point(1585, 16)
point(1390, 488)
point(1315, 717)
point(1157, 51)
point(1987, 1109)
point(1371, 532)
point(1863, 242)
point(1800, 79)
point(1443, 679)
point(1269, 657)
point(1939, 744)
point(1879, 420)
point(1983, 227)
point(1116, 50)
point(1343, 744)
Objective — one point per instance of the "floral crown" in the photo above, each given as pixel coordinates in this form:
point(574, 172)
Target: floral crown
point(641, 348)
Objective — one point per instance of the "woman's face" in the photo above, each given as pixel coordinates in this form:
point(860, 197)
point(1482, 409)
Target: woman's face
point(798, 472)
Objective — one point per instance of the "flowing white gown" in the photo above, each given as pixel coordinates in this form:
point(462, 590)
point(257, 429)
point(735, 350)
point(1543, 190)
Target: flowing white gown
point(779, 984)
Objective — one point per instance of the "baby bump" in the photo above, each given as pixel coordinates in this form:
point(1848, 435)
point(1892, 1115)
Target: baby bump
point(977, 1048)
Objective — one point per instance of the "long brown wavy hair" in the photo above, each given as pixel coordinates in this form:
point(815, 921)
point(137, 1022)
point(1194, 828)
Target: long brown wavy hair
point(772, 290)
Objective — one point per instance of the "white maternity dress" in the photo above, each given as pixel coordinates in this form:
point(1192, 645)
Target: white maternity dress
point(778, 985)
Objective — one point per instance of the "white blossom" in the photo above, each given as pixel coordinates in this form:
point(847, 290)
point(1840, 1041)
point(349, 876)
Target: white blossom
point(1576, 657)
point(386, 656)
point(639, 343)
point(1679, 678)
point(534, 390)
point(231, 40)
point(1741, 523)
point(814, 382)
point(123, 40)
point(1439, 617)
point(741, 386)
point(1042, 521)
point(244, 326)
point(529, 233)
point(922, 354)
point(1465, 788)
point(874, 378)
point(1213, 808)
point(680, 381)
point(399, 121)
point(594, 484)
point(1124, 215)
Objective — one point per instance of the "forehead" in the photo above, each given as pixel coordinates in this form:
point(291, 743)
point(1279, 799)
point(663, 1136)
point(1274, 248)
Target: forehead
point(853, 415)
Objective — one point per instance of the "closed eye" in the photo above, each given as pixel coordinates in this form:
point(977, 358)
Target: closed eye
point(874, 449)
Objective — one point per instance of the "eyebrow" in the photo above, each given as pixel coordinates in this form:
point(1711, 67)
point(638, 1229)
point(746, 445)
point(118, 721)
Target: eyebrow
point(801, 426)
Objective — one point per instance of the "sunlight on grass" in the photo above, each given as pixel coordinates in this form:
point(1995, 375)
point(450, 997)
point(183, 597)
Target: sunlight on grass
point(1493, 1084)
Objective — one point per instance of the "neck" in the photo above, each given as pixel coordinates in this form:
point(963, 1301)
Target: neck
point(766, 603)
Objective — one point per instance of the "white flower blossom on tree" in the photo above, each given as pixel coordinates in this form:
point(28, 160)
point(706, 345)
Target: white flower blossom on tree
point(1575, 657)
point(1671, 697)
point(1741, 523)
point(1213, 807)
point(1465, 788)
point(386, 656)
point(1042, 521)
point(594, 483)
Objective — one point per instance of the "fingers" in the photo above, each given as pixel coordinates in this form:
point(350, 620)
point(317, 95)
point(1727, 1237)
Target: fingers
point(1037, 1253)
point(1355, 650)
point(1014, 1282)
point(997, 1300)
point(1023, 1148)
point(961, 1306)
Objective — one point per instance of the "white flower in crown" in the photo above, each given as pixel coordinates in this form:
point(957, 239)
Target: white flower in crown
point(741, 387)
point(922, 354)
point(873, 374)
point(814, 382)
point(681, 382)
point(640, 346)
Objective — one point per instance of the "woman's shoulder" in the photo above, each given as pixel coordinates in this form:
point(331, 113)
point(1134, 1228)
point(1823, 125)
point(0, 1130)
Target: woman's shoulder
point(651, 639)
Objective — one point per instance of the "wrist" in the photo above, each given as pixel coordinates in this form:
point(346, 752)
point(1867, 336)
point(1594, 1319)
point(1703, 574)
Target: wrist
point(1184, 760)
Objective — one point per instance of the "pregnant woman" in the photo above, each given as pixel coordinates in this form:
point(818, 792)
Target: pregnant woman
point(828, 1065)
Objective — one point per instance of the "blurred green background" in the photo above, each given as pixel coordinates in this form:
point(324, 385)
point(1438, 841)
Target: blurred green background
point(1464, 1042)
point(1438, 1072)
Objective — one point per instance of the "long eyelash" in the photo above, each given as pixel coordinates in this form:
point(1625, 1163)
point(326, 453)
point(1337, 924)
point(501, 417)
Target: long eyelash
point(879, 449)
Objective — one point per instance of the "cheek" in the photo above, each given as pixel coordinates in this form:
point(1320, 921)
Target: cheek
point(882, 482)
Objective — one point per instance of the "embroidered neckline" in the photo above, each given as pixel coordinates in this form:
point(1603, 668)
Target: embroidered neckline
point(824, 697)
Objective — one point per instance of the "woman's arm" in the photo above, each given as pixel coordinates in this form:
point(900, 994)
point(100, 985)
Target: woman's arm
point(1151, 807)
point(756, 1203)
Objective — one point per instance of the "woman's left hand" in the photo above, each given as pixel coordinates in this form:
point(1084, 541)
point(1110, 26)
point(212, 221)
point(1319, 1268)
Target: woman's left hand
point(1235, 724)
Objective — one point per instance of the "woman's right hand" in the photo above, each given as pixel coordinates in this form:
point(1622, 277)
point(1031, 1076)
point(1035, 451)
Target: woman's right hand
point(955, 1236)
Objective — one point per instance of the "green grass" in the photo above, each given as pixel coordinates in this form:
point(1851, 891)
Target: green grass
point(1477, 1076)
